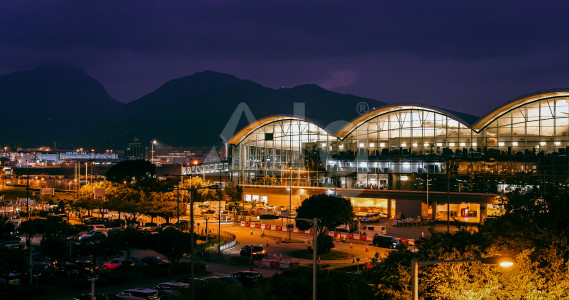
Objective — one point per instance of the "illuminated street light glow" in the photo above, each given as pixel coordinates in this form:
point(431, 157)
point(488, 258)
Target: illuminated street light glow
point(503, 261)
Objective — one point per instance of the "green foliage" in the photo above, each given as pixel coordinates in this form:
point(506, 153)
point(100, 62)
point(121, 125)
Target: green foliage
point(55, 247)
point(32, 227)
point(6, 227)
point(325, 243)
point(172, 243)
point(13, 260)
point(233, 192)
point(131, 171)
point(533, 230)
point(97, 246)
point(331, 212)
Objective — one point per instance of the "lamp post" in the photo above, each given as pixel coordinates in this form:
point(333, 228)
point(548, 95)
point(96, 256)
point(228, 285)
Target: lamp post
point(428, 196)
point(503, 261)
point(314, 221)
point(152, 151)
point(192, 254)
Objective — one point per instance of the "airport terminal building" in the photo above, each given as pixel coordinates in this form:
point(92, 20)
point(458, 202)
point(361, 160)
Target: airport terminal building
point(394, 158)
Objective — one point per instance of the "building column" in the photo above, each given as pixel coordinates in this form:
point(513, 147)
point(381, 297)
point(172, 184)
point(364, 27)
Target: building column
point(434, 211)
point(389, 214)
point(483, 212)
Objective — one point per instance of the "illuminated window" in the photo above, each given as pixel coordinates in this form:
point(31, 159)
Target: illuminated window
point(382, 144)
point(557, 143)
point(514, 144)
point(403, 145)
point(439, 144)
point(426, 144)
point(501, 144)
point(451, 144)
point(542, 143)
point(341, 146)
point(414, 144)
point(462, 144)
point(474, 144)
point(323, 144)
point(371, 144)
point(361, 145)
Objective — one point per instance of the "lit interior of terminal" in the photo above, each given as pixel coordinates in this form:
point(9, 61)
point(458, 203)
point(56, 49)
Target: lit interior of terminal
point(387, 159)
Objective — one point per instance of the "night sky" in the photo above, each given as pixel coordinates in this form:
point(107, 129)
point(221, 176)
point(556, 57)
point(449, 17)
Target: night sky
point(465, 55)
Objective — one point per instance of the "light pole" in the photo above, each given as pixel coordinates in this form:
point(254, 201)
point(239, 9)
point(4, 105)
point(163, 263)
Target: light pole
point(428, 197)
point(503, 261)
point(192, 254)
point(314, 221)
point(152, 151)
point(289, 203)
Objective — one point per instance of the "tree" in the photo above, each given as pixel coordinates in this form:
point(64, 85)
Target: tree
point(331, 212)
point(532, 230)
point(172, 243)
point(131, 171)
point(31, 228)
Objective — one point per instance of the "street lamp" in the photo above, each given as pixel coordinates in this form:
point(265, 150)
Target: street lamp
point(192, 254)
point(152, 151)
point(503, 261)
point(314, 244)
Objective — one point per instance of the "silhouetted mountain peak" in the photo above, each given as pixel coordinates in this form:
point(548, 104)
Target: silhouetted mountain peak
point(51, 98)
point(207, 80)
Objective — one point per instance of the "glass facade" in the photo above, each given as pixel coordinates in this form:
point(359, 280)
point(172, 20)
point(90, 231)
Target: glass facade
point(395, 147)
point(278, 151)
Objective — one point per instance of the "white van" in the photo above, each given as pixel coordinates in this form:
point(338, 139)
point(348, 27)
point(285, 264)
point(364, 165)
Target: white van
point(373, 230)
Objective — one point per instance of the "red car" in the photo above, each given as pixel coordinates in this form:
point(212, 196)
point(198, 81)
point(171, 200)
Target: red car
point(115, 263)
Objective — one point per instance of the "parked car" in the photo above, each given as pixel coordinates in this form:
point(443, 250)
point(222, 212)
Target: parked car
point(15, 220)
point(247, 276)
point(139, 293)
point(385, 241)
point(136, 262)
point(229, 279)
point(67, 269)
point(86, 267)
point(371, 218)
point(150, 227)
point(91, 234)
point(172, 285)
point(96, 227)
point(97, 297)
point(116, 223)
point(184, 225)
point(345, 228)
point(154, 260)
point(94, 220)
point(373, 229)
point(257, 252)
point(116, 262)
point(58, 218)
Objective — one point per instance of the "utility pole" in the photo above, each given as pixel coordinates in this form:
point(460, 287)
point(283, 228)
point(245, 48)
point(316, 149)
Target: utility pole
point(448, 196)
point(428, 196)
point(192, 254)
point(92, 279)
point(289, 203)
point(219, 217)
point(27, 196)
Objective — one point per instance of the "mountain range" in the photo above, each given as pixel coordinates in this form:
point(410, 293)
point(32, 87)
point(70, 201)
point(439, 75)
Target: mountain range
point(62, 104)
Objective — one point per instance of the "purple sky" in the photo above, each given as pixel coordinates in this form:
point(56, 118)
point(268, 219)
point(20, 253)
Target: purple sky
point(463, 55)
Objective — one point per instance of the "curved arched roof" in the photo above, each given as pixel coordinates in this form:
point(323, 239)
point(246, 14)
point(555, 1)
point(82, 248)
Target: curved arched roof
point(351, 126)
point(243, 133)
point(502, 109)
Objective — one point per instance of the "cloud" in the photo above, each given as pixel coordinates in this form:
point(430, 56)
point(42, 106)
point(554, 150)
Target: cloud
point(340, 79)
